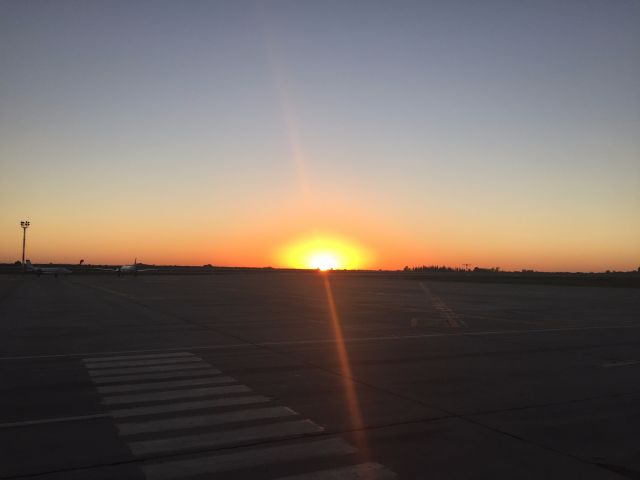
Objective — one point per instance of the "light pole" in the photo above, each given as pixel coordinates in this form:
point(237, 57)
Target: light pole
point(24, 225)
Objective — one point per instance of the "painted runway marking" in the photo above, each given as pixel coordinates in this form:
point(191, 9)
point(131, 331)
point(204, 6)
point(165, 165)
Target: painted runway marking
point(363, 471)
point(182, 423)
point(159, 368)
point(164, 384)
point(285, 343)
point(173, 394)
point(225, 437)
point(138, 357)
point(142, 363)
point(183, 407)
point(157, 375)
point(247, 458)
point(443, 309)
point(189, 425)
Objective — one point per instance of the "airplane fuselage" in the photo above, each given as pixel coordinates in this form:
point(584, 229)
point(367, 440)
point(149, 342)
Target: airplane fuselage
point(128, 269)
point(55, 271)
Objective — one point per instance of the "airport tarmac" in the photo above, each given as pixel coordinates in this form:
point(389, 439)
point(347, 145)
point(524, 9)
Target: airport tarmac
point(316, 376)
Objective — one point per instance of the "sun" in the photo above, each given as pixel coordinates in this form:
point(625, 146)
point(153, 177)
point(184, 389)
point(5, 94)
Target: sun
point(324, 261)
point(324, 253)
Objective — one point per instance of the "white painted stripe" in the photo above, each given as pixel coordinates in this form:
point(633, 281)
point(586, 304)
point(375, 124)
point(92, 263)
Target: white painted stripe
point(138, 357)
point(142, 363)
point(139, 387)
point(225, 437)
point(173, 394)
point(182, 422)
point(27, 423)
point(156, 375)
point(246, 458)
point(363, 471)
point(207, 404)
point(159, 368)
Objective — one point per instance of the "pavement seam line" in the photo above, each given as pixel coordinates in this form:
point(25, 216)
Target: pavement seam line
point(322, 341)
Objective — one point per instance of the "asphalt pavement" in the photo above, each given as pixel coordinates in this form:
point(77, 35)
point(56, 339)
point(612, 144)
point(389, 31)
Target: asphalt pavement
point(301, 376)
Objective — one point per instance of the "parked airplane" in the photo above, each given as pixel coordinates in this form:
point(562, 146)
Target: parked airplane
point(129, 269)
point(38, 270)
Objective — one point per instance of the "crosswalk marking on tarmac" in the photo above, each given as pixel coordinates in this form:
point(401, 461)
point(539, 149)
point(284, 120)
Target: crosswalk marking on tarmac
point(176, 403)
point(226, 462)
point(196, 421)
point(142, 363)
point(155, 368)
point(187, 406)
point(157, 375)
point(138, 357)
point(173, 394)
point(225, 438)
point(165, 384)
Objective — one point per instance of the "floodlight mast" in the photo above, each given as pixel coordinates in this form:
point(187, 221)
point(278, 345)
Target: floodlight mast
point(24, 225)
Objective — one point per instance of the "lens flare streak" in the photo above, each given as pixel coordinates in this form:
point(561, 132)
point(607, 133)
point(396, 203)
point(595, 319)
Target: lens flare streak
point(345, 368)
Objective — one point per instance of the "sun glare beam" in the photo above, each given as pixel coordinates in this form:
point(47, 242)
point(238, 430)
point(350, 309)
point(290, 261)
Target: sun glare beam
point(351, 395)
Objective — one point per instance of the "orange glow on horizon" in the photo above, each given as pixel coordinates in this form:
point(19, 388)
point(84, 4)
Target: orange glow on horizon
point(324, 253)
point(289, 242)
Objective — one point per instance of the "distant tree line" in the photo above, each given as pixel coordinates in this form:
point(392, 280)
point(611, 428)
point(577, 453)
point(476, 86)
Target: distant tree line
point(444, 268)
point(433, 268)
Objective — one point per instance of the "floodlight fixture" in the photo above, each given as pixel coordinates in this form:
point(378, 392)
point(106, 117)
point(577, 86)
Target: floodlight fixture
point(24, 225)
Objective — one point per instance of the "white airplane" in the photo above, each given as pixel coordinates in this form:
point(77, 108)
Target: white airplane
point(129, 269)
point(38, 270)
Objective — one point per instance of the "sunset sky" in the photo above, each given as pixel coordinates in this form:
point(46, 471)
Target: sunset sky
point(495, 133)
